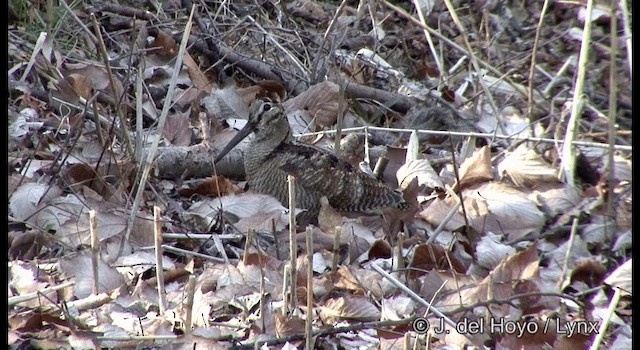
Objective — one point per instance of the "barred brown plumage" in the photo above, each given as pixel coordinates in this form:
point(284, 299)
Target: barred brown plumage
point(273, 154)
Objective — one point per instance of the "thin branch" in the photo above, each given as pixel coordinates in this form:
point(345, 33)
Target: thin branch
point(472, 134)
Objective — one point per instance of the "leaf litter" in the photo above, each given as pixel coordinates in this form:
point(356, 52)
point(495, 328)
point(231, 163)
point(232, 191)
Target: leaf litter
point(495, 238)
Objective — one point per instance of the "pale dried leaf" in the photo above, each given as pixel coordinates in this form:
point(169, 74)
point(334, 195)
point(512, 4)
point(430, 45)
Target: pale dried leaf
point(230, 276)
point(141, 261)
point(490, 252)
point(97, 78)
point(177, 129)
point(437, 211)
point(623, 242)
point(350, 307)
point(509, 210)
point(80, 267)
point(622, 168)
point(83, 340)
point(599, 12)
point(621, 277)
point(301, 121)
point(34, 165)
point(24, 123)
point(24, 201)
point(397, 307)
point(501, 86)
point(322, 101)
point(599, 231)
point(556, 256)
point(328, 218)
point(23, 277)
point(526, 168)
point(476, 169)
point(226, 103)
point(264, 221)
point(555, 199)
point(242, 205)
point(320, 264)
point(421, 169)
point(413, 148)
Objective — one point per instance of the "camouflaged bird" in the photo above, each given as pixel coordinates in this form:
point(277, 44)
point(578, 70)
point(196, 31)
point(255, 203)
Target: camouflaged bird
point(273, 154)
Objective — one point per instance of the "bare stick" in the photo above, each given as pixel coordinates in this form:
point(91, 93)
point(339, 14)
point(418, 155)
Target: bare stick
point(188, 305)
point(471, 134)
point(247, 244)
point(292, 239)
point(613, 106)
point(95, 249)
point(194, 254)
point(627, 31)
point(568, 164)
point(418, 298)
point(567, 255)
point(157, 233)
point(286, 273)
point(34, 295)
point(432, 48)
point(146, 166)
point(536, 42)
point(309, 323)
point(605, 322)
point(314, 67)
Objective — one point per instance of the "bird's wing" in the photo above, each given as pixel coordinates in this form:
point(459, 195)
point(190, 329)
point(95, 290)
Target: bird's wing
point(347, 187)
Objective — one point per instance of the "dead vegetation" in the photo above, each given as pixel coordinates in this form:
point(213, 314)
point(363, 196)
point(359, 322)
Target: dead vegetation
point(507, 124)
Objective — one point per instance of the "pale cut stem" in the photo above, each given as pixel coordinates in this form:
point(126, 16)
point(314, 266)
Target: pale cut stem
point(95, 250)
point(293, 254)
point(309, 321)
point(157, 233)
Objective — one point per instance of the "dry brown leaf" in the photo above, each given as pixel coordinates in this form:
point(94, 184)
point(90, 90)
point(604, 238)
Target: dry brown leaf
point(349, 307)
point(427, 257)
point(321, 100)
point(27, 245)
point(476, 169)
point(30, 198)
point(591, 272)
point(345, 279)
point(214, 186)
point(438, 209)
point(380, 249)
point(97, 77)
point(84, 340)
point(307, 9)
point(74, 86)
point(177, 129)
point(328, 218)
point(498, 284)
point(450, 282)
point(526, 168)
point(289, 325)
point(266, 88)
point(199, 80)
point(164, 45)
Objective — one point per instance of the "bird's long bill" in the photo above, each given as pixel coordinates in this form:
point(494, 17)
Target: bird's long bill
point(244, 132)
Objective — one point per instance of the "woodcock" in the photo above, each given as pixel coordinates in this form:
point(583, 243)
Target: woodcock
point(273, 154)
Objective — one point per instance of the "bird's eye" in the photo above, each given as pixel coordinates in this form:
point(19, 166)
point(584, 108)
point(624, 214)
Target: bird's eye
point(266, 107)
